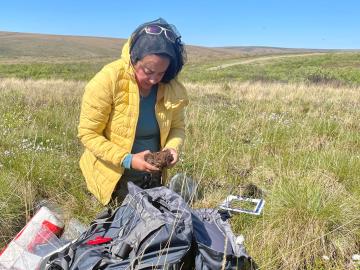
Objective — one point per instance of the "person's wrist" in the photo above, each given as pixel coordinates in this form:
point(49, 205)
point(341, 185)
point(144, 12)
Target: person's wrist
point(127, 161)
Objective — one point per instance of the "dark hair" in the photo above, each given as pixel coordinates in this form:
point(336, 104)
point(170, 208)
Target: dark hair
point(142, 44)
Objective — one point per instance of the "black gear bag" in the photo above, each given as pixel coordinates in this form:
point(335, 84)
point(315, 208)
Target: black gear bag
point(153, 229)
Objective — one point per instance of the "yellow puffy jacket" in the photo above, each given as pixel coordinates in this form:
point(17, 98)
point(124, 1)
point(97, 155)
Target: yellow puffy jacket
point(108, 119)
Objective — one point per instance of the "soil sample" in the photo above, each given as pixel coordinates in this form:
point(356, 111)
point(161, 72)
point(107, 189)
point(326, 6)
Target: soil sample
point(160, 159)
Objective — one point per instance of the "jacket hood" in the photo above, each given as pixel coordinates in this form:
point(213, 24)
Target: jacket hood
point(125, 52)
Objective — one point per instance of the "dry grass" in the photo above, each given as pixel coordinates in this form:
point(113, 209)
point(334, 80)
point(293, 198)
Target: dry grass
point(43, 91)
point(286, 92)
point(298, 143)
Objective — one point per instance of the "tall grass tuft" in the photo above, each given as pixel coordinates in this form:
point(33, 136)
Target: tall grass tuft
point(297, 143)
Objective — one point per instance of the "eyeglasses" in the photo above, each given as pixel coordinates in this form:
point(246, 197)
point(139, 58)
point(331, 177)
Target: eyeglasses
point(157, 30)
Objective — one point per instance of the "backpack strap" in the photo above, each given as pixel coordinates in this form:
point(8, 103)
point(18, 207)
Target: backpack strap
point(138, 233)
point(44, 264)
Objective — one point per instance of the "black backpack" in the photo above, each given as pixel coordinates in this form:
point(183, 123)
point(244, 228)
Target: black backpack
point(216, 246)
point(153, 229)
point(150, 230)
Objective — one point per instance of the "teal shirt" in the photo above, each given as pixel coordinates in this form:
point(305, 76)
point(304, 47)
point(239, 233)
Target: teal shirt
point(147, 136)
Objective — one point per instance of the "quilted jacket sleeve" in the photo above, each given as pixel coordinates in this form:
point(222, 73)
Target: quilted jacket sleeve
point(96, 107)
point(177, 131)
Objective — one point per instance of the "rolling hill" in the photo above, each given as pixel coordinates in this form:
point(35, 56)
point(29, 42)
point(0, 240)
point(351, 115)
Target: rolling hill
point(29, 47)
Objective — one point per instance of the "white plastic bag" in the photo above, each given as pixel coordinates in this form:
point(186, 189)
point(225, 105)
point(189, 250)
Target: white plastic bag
point(36, 240)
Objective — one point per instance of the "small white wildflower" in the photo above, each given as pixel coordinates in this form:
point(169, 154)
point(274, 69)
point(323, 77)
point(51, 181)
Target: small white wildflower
point(355, 257)
point(286, 122)
point(274, 116)
point(7, 153)
point(326, 258)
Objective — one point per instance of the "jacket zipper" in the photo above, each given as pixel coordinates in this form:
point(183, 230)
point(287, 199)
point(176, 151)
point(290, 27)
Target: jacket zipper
point(156, 115)
point(137, 118)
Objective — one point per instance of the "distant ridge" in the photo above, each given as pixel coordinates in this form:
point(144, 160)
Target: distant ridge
point(33, 47)
point(14, 44)
point(272, 50)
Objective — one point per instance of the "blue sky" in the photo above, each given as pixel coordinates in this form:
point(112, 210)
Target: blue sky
point(294, 24)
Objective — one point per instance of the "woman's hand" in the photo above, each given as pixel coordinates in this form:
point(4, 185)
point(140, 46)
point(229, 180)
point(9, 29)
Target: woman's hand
point(138, 163)
point(174, 155)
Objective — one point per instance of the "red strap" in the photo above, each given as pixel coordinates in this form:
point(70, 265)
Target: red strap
point(99, 240)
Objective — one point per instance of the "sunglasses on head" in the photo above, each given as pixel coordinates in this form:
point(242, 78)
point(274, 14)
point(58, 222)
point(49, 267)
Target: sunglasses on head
point(157, 30)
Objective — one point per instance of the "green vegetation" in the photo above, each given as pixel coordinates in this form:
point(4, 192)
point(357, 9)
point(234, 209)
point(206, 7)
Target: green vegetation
point(39, 150)
point(288, 126)
point(66, 71)
point(298, 143)
point(339, 68)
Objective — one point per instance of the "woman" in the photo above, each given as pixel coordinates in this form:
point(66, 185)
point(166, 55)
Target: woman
point(133, 106)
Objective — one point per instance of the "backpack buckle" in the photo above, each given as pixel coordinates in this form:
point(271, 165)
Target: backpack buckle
point(122, 250)
point(99, 240)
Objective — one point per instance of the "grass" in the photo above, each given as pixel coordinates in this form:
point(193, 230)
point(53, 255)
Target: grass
point(334, 68)
point(287, 139)
point(298, 142)
point(340, 68)
point(288, 126)
point(39, 150)
point(66, 71)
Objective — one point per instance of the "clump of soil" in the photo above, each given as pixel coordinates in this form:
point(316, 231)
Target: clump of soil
point(160, 159)
point(251, 190)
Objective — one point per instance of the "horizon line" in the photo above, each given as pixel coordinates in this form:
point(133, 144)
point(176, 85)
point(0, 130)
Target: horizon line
point(195, 45)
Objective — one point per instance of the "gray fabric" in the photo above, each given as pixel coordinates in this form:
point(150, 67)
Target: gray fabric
point(152, 226)
point(216, 241)
point(156, 228)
